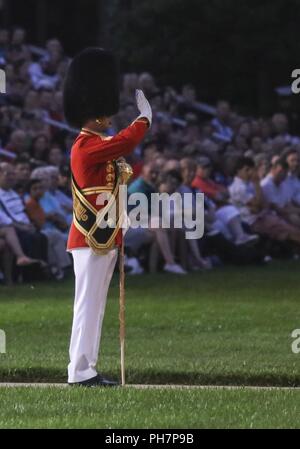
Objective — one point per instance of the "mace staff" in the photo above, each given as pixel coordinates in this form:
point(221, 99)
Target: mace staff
point(125, 171)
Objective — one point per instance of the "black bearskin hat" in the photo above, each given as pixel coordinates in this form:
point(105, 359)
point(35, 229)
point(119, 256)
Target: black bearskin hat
point(91, 87)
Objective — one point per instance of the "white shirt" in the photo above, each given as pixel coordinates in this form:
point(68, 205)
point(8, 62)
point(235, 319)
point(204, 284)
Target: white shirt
point(241, 192)
point(4, 219)
point(275, 194)
point(13, 206)
point(293, 186)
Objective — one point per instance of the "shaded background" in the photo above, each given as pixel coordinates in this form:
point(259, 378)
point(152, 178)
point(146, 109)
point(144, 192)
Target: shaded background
point(235, 50)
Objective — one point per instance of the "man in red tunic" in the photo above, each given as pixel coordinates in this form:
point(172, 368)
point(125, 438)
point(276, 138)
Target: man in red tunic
point(91, 97)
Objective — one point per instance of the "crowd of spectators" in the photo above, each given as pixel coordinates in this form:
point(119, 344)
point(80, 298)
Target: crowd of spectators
point(247, 168)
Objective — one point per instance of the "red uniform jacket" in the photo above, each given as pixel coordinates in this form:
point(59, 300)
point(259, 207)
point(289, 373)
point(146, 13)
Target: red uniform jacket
point(91, 165)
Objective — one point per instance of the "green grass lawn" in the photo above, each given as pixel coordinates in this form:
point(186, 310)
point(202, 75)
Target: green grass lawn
point(128, 408)
point(231, 326)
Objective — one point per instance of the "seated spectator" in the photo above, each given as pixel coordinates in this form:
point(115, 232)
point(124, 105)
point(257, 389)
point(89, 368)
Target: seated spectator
point(31, 102)
point(261, 164)
point(280, 127)
point(39, 79)
point(292, 181)
point(22, 173)
point(9, 235)
point(146, 184)
point(32, 242)
point(17, 50)
point(137, 238)
point(192, 130)
point(278, 193)
point(64, 180)
point(147, 84)
point(222, 217)
point(58, 258)
point(130, 84)
point(247, 195)
point(188, 171)
point(257, 144)
point(55, 156)
point(18, 142)
point(187, 100)
point(10, 201)
point(56, 112)
point(205, 184)
point(56, 216)
point(40, 147)
point(65, 201)
point(221, 123)
point(54, 57)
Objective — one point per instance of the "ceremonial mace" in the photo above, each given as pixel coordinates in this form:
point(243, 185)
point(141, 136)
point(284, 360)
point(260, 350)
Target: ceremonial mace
point(122, 312)
point(125, 171)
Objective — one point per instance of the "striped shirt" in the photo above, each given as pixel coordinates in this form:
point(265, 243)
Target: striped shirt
point(13, 206)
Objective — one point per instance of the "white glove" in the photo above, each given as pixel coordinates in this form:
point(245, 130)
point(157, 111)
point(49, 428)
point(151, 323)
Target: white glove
point(143, 106)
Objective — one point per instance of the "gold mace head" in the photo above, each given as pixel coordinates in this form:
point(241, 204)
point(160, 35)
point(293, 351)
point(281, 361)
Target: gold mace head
point(125, 171)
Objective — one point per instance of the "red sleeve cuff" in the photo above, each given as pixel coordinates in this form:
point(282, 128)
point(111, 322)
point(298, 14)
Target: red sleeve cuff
point(143, 120)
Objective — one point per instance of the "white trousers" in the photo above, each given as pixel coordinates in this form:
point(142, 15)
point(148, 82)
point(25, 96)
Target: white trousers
point(223, 216)
point(93, 274)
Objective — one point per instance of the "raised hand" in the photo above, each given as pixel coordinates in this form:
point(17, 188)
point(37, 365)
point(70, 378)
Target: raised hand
point(143, 106)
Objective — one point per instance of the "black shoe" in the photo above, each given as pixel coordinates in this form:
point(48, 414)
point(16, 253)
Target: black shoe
point(97, 381)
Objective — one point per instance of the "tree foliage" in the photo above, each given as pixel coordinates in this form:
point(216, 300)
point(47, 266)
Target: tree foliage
point(239, 50)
